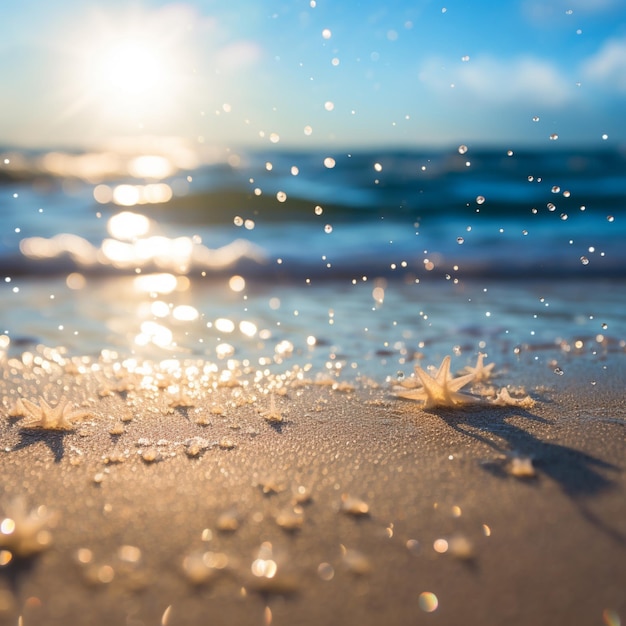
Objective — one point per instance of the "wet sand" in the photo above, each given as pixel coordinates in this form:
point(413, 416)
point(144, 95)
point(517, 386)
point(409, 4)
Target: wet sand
point(357, 508)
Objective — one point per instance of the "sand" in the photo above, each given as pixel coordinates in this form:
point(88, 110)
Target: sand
point(357, 508)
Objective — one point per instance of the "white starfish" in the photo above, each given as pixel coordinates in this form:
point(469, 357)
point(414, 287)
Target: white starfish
point(480, 371)
point(272, 414)
point(440, 390)
point(504, 398)
point(47, 417)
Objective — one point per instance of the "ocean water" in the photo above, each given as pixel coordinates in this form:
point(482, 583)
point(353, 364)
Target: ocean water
point(350, 263)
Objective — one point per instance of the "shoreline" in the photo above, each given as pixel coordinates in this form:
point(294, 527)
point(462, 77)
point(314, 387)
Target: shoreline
point(357, 507)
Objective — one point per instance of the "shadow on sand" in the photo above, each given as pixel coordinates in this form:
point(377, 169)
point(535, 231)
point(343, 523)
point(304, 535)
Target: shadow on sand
point(579, 475)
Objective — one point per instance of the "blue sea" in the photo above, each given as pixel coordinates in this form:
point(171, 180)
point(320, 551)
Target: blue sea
point(350, 263)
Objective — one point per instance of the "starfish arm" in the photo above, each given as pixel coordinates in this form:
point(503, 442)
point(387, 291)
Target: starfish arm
point(436, 392)
point(443, 373)
point(457, 383)
point(32, 411)
point(412, 394)
point(465, 398)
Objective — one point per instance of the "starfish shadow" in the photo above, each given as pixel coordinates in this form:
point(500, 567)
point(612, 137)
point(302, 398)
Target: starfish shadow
point(52, 438)
point(278, 426)
point(182, 410)
point(578, 474)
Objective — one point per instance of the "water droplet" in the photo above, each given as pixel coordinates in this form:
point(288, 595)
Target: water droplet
point(129, 554)
point(440, 546)
point(584, 260)
point(327, 33)
point(354, 506)
point(555, 189)
point(328, 229)
point(428, 601)
point(551, 206)
point(553, 137)
point(460, 240)
point(281, 196)
point(413, 546)
point(290, 520)
point(558, 371)
point(480, 199)
point(610, 218)
point(202, 567)
point(535, 118)
point(329, 162)
point(227, 522)
point(329, 106)
point(563, 216)
point(325, 571)
point(522, 466)
point(151, 455)
point(462, 149)
point(465, 58)
point(605, 137)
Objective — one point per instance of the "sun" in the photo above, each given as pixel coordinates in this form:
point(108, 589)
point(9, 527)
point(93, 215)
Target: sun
point(129, 70)
point(132, 75)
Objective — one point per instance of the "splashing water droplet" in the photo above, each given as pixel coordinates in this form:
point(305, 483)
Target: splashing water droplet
point(428, 601)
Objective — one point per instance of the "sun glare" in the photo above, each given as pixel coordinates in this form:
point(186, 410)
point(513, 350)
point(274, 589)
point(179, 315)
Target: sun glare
point(128, 68)
point(131, 75)
point(131, 68)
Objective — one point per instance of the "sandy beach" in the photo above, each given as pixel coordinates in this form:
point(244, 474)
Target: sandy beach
point(356, 508)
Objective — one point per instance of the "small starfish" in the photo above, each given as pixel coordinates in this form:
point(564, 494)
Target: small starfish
point(440, 390)
point(480, 372)
point(46, 417)
point(504, 398)
point(272, 414)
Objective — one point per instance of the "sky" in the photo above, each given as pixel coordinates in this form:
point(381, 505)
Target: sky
point(313, 73)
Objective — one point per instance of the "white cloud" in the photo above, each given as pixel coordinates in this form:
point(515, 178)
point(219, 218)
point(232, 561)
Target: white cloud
point(608, 65)
point(523, 79)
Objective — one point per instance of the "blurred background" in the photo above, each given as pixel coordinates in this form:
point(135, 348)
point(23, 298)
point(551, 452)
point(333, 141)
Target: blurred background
point(313, 172)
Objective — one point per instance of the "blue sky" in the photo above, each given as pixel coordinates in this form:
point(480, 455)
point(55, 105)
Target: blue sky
point(313, 72)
